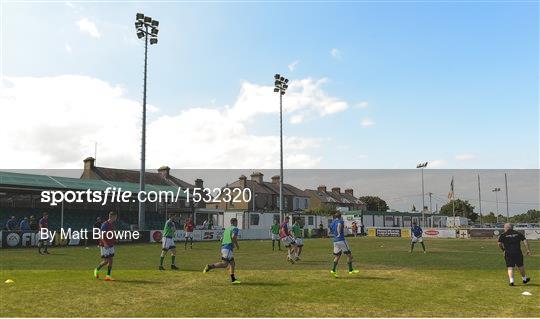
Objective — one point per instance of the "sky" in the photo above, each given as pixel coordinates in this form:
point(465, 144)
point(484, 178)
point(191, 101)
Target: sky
point(373, 85)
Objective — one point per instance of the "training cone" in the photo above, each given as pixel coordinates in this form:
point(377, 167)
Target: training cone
point(9, 281)
point(526, 293)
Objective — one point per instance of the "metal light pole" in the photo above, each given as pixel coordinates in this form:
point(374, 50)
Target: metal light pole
point(147, 28)
point(480, 200)
point(421, 166)
point(496, 190)
point(506, 190)
point(280, 85)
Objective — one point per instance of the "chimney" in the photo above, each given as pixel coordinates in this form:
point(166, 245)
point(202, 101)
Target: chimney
point(257, 177)
point(164, 171)
point(275, 179)
point(349, 191)
point(199, 183)
point(242, 180)
point(89, 163)
point(321, 189)
point(336, 190)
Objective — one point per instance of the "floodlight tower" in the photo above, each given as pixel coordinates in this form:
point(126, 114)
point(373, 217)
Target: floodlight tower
point(147, 28)
point(280, 86)
point(421, 166)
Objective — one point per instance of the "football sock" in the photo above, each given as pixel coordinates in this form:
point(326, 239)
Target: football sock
point(173, 258)
point(524, 278)
point(109, 269)
point(233, 278)
point(100, 266)
point(511, 280)
point(350, 266)
point(423, 246)
point(335, 266)
point(161, 260)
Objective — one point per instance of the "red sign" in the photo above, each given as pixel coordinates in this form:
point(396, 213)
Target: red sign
point(432, 232)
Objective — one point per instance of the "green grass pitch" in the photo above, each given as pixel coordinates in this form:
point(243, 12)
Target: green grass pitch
point(456, 278)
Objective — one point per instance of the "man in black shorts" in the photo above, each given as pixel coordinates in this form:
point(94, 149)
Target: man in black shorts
point(510, 244)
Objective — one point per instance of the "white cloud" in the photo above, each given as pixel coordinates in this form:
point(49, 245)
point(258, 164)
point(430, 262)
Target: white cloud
point(296, 119)
point(367, 122)
point(292, 66)
point(436, 163)
point(362, 105)
point(335, 53)
point(89, 27)
point(65, 115)
point(465, 157)
point(68, 48)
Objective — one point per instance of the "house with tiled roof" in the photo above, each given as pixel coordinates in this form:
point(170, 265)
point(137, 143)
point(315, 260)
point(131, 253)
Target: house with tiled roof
point(161, 177)
point(321, 198)
point(265, 195)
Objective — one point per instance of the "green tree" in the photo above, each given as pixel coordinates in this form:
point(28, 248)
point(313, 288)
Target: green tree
point(462, 208)
point(531, 216)
point(489, 218)
point(374, 203)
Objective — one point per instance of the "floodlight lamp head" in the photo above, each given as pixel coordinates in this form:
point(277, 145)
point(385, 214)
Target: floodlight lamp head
point(139, 16)
point(155, 23)
point(153, 40)
point(276, 90)
point(140, 34)
point(277, 76)
point(147, 19)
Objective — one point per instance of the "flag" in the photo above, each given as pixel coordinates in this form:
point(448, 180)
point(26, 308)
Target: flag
point(451, 193)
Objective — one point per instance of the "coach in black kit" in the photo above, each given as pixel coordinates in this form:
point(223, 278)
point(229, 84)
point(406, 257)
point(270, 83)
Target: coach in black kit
point(510, 243)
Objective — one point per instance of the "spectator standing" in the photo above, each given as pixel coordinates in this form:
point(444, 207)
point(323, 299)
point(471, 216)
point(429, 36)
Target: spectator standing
point(32, 223)
point(24, 226)
point(11, 224)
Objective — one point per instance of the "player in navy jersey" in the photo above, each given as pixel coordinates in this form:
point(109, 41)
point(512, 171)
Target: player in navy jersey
point(417, 232)
point(510, 244)
point(107, 246)
point(340, 245)
point(43, 240)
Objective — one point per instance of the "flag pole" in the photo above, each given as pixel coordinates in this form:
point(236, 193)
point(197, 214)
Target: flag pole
point(453, 204)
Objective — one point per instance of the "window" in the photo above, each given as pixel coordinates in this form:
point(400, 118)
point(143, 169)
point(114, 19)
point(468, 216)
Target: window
point(311, 220)
point(254, 219)
point(305, 203)
point(297, 203)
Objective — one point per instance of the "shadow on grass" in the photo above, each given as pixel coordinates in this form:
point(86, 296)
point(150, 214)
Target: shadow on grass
point(364, 278)
point(136, 281)
point(262, 284)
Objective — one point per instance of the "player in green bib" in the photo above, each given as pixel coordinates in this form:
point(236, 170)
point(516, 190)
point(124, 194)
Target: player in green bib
point(274, 232)
point(298, 238)
point(169, 232)
point(229, 241)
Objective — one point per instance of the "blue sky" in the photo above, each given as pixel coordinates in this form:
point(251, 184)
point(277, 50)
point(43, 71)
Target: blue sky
point(453, 83)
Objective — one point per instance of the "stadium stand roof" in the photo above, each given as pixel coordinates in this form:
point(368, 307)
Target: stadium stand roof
point(19, 180)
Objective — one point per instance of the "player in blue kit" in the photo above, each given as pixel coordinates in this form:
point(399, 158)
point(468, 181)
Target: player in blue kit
point(417, 232)
point(340, 245)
